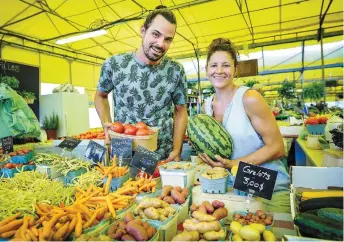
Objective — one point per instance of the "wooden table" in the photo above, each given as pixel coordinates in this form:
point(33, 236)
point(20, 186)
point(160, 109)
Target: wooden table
point(307, 157)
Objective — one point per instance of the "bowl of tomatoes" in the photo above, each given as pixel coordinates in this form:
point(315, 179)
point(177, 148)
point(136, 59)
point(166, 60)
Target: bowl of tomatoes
point(141, 134)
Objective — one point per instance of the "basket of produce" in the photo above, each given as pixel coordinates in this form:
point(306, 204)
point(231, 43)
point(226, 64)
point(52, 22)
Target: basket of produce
point(114, 176)
point(214, 180)
point(140, 133)
point(131, 229)
point(177, 174)
point(316, 125)
point(21, 156)
point(160, 214)
point(259, 217)
point(178, 198)
point(266, 235)
point(195, 230)
point(209, 211)
point(70, 175)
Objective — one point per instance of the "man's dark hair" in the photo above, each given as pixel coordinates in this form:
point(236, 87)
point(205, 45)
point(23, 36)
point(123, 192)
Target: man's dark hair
point(163, 11)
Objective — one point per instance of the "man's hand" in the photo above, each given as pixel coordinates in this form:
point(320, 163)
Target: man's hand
point(106, 127)
point(174, 156)
point(221, 162)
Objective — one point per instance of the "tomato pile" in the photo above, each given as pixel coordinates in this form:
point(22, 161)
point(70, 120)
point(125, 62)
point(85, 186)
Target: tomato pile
point(139, 129)
point(19, 152)
point(316, 120)
point(91, 134)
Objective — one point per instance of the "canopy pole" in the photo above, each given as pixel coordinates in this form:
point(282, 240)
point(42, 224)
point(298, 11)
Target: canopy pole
point(322, 64)
point(302, 72)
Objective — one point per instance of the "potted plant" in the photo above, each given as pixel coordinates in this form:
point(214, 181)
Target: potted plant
point(11, 81)
point(50, 124)
point(29, 97)
point(287, 91)
point(314, 91)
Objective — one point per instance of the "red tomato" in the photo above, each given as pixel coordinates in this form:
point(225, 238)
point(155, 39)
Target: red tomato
point(141, 125)
point(117, 127)
point(130, 129)
point(9, 166)
point(312, 120)
point(149, 132)
point(322, 119)
point(142, 131)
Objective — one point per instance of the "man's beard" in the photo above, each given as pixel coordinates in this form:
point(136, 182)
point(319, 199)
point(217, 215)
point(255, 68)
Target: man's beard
point(150, 56)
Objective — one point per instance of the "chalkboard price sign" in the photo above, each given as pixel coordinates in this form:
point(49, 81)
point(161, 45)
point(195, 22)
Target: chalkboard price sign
point(255, 180)
point(145, 160)
point(122, 147)
point(7, 144)
point(95, 151)
point(69, 143)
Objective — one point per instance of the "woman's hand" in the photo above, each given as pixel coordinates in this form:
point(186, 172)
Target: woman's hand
point(221, 162)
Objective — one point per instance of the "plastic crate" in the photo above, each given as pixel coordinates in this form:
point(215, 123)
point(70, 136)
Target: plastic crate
point(22, 159)
point(50, 170)
point(9, 173)
point(183, 210)
point(117, 182)
point(167, 229)
point(149, 142)
point(316, 129)
point(29, 167)
point(68, 178)
point(245, 213)
point(182, 178)
point(231, 180)
point(214, 186)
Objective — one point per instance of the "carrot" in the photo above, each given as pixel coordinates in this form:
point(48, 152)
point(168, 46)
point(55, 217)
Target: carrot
point(21, 232)
point(110, 206)
point(8, 234)
point(85, 209)
point(40, 234)
point(50, 224)
point(11, 225)
point(101, 213)
point(107, 185)
point(34, 231)
point(90, 221)
point(72, 225)
point(78, 226)
point(31, 235)
point(61, 231)
point(41, 219)
point(58, 225)
point(9, 219)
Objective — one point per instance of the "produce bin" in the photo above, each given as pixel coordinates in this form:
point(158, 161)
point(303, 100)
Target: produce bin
point(214, 185)
point(149, 142)
point(50, 170)
point(117, 182)
point(177, 177)
point(68, 178)
point(22, 159)
point(167, 229)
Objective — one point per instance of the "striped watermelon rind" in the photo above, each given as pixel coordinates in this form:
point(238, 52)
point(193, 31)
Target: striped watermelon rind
point(209, 136)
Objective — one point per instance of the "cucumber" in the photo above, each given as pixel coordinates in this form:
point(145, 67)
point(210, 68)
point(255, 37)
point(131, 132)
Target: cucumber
point(317, 203)
point(313, 226)
point(332, 213)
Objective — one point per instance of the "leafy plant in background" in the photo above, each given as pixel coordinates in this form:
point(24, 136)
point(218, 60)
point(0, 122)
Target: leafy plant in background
point(51, 122)
point(11, 81)
point(250, 83)
point(314, 92)
point(287, 90)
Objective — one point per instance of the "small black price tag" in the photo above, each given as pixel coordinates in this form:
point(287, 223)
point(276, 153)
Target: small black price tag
point(7, 144)
point(255, 180)
point(69, 143)
point(122, 147)
point(145, 160)
point(95, 152)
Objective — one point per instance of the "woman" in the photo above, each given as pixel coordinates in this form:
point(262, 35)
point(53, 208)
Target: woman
point(247, 118)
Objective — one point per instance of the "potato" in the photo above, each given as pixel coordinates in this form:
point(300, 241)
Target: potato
point(178, 188)
point(220, 213)
point(185, 192)
point(169, 200)
point(268, 221)
point(152, 213)
point(145, 225)
point(202, 209)
point(112, 230)
point(214, 236)
point(217, 204)
point(203, 217)
point(201, 227)
point(121, 225)
point(136, 221)
point(128, 217)
point(150, 232)
point(178, 197)
point(117, 236)
point(137, 231)
point(187, 236)
point(208, 207)
point(166, 191)
point(127, 237)
point(193, 207)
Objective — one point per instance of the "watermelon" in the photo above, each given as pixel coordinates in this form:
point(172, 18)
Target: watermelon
point(209, 136)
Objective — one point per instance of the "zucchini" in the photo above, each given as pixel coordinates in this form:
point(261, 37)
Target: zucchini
point(332, 213)
point(323, 228)
point(310, 195)
point(317, 203)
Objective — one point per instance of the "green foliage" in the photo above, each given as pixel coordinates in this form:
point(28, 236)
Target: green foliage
point(51, 122)
point(287, 90)
point(28, 95)
point(11, 81)
point(314, 92)
point(250, 83)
